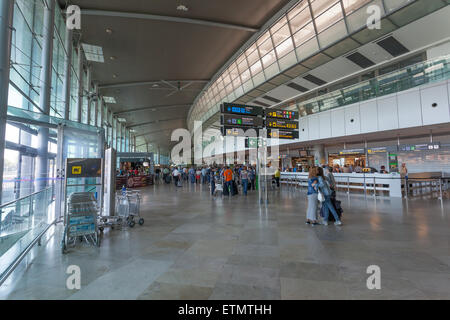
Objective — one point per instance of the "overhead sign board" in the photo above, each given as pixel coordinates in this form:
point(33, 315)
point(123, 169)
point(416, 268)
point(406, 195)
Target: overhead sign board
point(231, 108)
point(241, 121)
point(282, 124)
point(282, 134)
point(238, 132)
point(281, 114)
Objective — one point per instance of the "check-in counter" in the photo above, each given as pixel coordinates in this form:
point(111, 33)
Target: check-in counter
point(374, 182)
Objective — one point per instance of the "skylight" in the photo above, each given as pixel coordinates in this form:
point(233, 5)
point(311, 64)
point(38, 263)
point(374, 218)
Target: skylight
point(109, 99)
point(93, 53)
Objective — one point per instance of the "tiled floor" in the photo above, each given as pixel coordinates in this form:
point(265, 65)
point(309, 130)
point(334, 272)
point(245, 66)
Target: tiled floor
point(195, 247)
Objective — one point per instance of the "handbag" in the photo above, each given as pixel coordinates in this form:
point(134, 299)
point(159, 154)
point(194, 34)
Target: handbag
point(320, 196)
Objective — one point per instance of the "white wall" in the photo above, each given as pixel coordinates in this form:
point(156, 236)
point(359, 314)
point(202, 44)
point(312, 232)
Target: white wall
point(407, 109)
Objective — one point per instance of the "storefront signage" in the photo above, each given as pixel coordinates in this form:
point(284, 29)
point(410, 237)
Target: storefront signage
point(352, 151)
point(421, 147)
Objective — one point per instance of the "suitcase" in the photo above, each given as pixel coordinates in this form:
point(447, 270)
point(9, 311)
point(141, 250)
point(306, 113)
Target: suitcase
point(234, 190)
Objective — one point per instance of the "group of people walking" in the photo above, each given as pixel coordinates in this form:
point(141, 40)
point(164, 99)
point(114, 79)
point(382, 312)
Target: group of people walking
point(321, 188)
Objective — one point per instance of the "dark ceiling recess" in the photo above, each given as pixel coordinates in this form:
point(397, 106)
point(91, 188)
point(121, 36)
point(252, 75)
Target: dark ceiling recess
point(360, 60)
point(393, 46)
point(314, 80)
point(271, 99)
point(262, 103)
point(297, 87)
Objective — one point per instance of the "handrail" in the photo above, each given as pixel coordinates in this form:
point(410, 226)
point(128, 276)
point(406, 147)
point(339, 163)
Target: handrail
point(339, 96)
point(24, 197)
point(19, 259)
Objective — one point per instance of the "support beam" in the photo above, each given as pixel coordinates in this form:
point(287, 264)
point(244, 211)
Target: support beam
point(145, 83)
point(152, 122)
point(6, 25)
point(152, 132)
point(150, 108)
point(45, 92)
point(144, 16)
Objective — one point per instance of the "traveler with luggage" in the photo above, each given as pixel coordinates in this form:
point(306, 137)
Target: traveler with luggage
point(311, 212)
point(325, 193)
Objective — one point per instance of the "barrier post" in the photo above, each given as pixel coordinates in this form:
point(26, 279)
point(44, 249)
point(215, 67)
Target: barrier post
point(440, 189)
point(348, 185)
point(374, 187)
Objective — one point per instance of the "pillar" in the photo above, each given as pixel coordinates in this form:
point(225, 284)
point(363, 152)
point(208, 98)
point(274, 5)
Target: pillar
point(68, 73)
point(319, 155)
point(80, 71)
point(44, 97)
point(6, 24)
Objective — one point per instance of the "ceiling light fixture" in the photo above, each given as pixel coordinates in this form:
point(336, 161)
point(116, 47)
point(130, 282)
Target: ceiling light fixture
point(109, 99)
point(112, 58)
point(182, 7)
point(109, 31)
point(114, 76)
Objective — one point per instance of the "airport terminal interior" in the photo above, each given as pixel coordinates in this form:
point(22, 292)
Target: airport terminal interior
point(224, 149)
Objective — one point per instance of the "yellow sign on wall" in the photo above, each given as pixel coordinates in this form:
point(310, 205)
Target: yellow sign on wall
point(76, 170)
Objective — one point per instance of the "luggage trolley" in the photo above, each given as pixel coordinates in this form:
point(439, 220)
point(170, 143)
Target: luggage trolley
point(128, 208)
point(81, 209)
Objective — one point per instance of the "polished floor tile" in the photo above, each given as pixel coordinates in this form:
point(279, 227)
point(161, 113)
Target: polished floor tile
point(193, 246)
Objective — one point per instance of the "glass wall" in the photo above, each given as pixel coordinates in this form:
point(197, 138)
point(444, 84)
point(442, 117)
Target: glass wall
point(304, 30)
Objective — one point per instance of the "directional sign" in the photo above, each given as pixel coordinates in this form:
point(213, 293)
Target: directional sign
point(282, 134)
point(238, 132)
point(241, 121)
point(231, 108)
point(281, 124)
point(281, 114)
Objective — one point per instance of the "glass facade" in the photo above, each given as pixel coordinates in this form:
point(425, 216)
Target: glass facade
point(24, 92)
point(304, 30)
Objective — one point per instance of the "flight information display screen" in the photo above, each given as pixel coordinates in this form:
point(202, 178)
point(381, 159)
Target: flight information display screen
point(231, 108)
point(281, 114)
point(282, 134)
point(282, 124)
point(241, 121)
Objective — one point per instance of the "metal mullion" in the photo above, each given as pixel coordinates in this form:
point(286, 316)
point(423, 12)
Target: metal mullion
point(313, 20)
point(274, 48)
point(345, 17)
point(292, 36)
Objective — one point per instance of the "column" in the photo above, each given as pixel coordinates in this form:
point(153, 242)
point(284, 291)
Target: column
point(6, 23)
point(319, 155)
point(44, 97)
point(68, 73)
point(159, 155)
point(88, 93)
point(80, 82)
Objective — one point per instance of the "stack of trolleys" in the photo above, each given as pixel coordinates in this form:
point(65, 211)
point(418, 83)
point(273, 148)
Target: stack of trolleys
point(81, 222)
point(128, 208)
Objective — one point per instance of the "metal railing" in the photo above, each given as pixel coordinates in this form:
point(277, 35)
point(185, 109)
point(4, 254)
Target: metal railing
point(412, 76)
point(375, 185)
point(23, 222)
